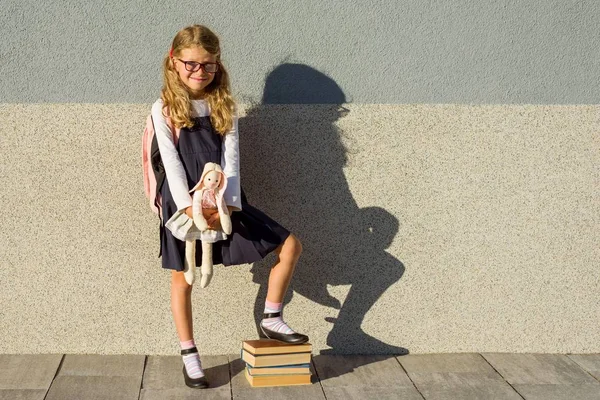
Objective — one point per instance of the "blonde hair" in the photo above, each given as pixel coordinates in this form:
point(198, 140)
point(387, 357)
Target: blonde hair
point(174, 93)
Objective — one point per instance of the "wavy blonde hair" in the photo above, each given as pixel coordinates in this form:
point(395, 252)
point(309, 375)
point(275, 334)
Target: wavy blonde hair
point(175, 95)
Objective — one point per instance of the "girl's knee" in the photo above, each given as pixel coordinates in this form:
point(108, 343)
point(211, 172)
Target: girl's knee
point(297, 246)
point(292, 247)
point(178, 281)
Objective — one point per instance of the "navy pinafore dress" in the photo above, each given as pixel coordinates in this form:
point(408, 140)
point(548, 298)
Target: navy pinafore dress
point(254, 234)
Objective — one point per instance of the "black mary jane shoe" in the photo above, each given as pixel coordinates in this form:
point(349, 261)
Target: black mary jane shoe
point(196, 383)
point(291, 338)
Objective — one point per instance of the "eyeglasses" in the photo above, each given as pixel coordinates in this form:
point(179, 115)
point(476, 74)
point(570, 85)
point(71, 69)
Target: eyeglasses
point(194, 66)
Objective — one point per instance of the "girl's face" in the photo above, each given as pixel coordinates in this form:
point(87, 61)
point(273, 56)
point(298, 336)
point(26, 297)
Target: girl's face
point(195, 81)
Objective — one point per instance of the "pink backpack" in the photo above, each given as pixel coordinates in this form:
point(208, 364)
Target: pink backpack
point(154, 170)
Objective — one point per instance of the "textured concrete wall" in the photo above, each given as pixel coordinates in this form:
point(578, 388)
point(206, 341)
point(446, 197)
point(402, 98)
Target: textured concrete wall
point(434, 227)
point(459, 51)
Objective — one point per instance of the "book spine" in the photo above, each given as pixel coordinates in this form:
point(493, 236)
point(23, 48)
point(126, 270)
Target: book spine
point(278, 371)
point(287, 366)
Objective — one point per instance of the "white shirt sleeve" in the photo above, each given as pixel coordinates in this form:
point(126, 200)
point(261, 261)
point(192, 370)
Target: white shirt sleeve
point(170, 158)
point(230, 162)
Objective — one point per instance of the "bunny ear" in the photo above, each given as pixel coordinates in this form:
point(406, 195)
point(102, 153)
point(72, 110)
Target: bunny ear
point(198, 185)
point(223, 184)
point(207, 168)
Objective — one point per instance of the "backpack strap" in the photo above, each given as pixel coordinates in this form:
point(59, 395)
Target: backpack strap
point(157, 165)
point(156, 160)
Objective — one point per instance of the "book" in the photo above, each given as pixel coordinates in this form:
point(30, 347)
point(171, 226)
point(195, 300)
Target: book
point(272, 360)
point(277, 380)
point(270, 346)
point(298, 369)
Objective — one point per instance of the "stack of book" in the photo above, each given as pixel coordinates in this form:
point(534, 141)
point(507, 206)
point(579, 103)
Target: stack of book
point(273, 363)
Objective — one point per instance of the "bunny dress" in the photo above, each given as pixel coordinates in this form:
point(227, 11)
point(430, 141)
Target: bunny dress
point(254, 234)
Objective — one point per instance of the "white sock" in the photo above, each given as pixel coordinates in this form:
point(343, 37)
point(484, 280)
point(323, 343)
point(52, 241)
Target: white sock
point(275, 324)
point(192, 362)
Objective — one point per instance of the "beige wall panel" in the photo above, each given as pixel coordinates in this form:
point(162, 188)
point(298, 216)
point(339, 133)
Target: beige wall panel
point(435, 228)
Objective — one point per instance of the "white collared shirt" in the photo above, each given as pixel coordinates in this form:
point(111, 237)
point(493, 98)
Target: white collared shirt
point(230, 158)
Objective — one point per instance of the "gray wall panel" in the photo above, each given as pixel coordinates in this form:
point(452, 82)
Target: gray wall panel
point(378, 51)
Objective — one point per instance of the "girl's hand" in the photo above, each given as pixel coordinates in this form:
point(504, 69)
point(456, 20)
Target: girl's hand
point(214, 220)
point(209, 216)
point(209, 212)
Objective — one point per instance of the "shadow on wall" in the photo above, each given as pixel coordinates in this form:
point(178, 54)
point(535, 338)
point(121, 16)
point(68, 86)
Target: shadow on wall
point(292, 170)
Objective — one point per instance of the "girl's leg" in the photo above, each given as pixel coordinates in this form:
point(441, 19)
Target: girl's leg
point(181, 307)
point(272, 325)
point(288, 254)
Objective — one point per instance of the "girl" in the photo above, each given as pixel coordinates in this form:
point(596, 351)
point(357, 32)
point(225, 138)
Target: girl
point(196, 97)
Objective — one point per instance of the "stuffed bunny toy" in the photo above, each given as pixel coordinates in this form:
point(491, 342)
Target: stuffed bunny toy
point(208, 193)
